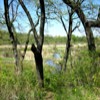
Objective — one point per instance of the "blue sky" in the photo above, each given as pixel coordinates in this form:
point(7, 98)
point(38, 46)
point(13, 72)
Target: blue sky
point(55, 28)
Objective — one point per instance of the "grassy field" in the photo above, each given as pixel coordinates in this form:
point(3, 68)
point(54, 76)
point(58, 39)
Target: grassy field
point(80, 82)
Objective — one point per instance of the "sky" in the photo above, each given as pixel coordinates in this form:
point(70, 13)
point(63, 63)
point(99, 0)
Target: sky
point(55, 28)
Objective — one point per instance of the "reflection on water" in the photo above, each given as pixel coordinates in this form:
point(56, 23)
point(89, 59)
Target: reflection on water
point(56, 55)
point(51, 63)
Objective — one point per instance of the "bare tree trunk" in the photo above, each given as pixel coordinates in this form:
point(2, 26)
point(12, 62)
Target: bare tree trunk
point(67, 49)
point(90, 39)
point(16, 58)
point(39, 65)
point(39, 39)
point(88, 31)
point(12, 37)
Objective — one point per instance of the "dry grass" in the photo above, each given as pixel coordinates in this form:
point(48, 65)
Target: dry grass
point(48, 50)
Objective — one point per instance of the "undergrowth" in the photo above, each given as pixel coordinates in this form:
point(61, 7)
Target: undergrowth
point(80, 82)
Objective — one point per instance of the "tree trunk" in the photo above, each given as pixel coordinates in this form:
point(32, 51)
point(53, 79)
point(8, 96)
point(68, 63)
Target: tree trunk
point(16, 59)
point(39, 65)
point(90, 39)
point(18, 63)
point(13, 38)
point(67, 51)
point(39, 39)
point(88, 31)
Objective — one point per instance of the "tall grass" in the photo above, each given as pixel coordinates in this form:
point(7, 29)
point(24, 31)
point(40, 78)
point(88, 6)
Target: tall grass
point(80, 82)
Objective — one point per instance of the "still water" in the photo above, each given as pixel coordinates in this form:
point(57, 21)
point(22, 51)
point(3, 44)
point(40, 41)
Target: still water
point(51, 63)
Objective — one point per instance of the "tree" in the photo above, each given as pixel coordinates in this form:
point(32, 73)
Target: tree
point(11, 14)
point(39, 39)
point(2, 19)
point(69, 34)
point(11, 29)
point(76, 6)
point(1, 14)
point(10, 18)
point(56, 12)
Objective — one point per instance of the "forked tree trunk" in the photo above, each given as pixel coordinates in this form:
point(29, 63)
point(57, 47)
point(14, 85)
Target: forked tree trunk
point(39, 65)
point(68, 42)
point(88, 31)
point(11, 31)
point(38, 39)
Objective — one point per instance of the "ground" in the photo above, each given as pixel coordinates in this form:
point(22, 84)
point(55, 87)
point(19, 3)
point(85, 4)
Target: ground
point(78, 83)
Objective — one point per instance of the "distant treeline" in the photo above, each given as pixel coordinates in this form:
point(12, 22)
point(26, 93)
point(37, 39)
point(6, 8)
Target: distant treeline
point(4, 39)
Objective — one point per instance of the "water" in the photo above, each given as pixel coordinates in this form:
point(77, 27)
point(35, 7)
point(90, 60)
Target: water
point(56, 56)
point(51, 63)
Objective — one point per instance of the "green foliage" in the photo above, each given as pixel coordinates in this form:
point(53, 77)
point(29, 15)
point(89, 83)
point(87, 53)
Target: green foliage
point(81, 81)
point(54, 40)
point(22, 37)
point(4, 38)
point(76, 39)
point(85, 68)
point(78, 83)
point(16, 87)
point(6, 52)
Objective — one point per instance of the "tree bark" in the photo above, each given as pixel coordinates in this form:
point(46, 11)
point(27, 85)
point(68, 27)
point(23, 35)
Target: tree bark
point(39, 64)
point(68, 42)
point(88, 31)
point(90, 39)
point(67, 51)
point(12, 37)
point(39, 39)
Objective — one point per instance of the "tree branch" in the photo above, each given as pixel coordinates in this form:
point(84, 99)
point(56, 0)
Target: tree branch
point(78, 24)
point(27, 41)
point(30, 20)
point(63, 24)
point(93, 23)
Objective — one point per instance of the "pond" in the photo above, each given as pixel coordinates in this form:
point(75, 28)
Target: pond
point(51, 63)
point(56, 56)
